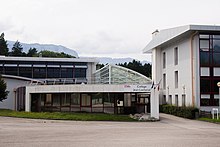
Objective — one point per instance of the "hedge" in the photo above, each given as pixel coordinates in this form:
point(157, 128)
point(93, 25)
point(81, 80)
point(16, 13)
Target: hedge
point(186, 112)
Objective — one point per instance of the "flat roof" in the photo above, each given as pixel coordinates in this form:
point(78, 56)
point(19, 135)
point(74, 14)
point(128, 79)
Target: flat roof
point(81, 59)
point(167, 35)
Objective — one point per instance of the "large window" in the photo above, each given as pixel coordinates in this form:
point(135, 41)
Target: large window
point(209, 47)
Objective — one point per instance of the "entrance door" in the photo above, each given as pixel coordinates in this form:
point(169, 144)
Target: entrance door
point(143, 103)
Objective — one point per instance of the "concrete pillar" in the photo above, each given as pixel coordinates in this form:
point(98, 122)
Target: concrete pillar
point(154, 103)
point(156, 77)
point(27, 101)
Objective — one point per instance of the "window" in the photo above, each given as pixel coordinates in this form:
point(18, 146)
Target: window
point(176, 56)
point(176, 100)
point(205, 85)
point(216, 71)
point(170, 100)
point(80, 73)
point(204, 71)
point(164, 81)
point(164, 99)
point(176, 79)
point(164, 60)
point(183, 100)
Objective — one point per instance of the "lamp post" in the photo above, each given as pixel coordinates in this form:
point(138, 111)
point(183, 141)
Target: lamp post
point(218, 84)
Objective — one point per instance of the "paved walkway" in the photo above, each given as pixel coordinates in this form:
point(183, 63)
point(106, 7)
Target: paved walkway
point(170, 131)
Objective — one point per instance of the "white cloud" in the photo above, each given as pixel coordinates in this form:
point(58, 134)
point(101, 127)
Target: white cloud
point(100, 27)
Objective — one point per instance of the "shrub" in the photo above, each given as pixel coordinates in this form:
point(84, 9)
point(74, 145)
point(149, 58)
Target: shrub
point(186, 112)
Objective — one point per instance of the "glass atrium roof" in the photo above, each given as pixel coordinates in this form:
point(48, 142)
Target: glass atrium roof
point(113, 74)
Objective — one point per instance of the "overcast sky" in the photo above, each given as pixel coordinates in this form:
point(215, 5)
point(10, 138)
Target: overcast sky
point(112, 28)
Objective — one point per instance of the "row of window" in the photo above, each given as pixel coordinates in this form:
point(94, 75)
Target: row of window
point(43, 72)
point(176, 101)
point(209, 48)
point(175, 57)
point(176, 80)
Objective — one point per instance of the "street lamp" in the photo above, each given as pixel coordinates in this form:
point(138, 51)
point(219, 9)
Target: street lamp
point(218, 84)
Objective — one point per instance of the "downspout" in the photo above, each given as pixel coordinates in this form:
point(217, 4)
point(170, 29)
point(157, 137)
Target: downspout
point(192, 67)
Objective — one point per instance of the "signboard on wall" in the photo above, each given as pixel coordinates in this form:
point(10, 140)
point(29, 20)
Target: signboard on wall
point(137, 88)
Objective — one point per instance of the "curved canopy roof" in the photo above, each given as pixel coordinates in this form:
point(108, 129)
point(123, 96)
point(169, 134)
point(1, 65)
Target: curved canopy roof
point(113, 74)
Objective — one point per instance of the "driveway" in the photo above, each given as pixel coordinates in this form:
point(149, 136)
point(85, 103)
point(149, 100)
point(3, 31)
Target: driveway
point(171, 131)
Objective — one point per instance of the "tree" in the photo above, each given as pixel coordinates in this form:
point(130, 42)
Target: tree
point(3, 92)
point(32, 52)
point(3, 45)
point(46, 53)
point(17, 49)
point(137, 66)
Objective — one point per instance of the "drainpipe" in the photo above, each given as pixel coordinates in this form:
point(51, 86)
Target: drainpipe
point(192, 67)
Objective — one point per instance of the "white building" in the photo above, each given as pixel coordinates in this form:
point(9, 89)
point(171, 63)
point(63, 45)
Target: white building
point(186, 60)
point(73, 84)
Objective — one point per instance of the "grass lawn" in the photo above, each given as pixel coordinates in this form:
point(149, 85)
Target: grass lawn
point(66, 116)
point(210, 120)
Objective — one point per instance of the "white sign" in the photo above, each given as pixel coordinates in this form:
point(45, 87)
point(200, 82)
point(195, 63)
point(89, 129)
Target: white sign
point(137, 88)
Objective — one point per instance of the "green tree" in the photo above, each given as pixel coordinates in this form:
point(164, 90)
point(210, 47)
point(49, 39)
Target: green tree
point(46, 53)
point(17, 49)
point(3, 45)
point(138, 67)
point(32, 52)
point(3, 92)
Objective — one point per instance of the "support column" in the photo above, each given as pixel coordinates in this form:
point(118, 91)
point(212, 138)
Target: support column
point(27, 101)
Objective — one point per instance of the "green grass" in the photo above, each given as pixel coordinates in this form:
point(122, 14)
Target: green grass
point(210, 120)
point(66, 116)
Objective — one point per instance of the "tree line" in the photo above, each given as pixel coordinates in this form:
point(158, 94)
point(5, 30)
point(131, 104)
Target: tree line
point(17, 50)
point(144, 69)
point(137, 66)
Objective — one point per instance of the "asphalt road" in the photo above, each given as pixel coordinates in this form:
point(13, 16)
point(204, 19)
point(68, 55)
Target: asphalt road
point(169, 132)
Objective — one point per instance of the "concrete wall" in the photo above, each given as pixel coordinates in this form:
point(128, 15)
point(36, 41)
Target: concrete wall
point(185, 67)
point(12, 84)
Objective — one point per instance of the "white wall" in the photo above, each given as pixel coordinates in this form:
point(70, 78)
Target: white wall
point(12, 84)
point(184, 68)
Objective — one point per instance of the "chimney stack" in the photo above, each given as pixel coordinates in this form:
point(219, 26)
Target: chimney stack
point(155, 33)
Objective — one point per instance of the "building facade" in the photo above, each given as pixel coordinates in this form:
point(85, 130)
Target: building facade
point(73, 85)
point(23, 71)
point(186, 64)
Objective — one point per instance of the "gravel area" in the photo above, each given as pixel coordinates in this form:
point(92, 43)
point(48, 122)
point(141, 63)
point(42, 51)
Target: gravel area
point(171, 131)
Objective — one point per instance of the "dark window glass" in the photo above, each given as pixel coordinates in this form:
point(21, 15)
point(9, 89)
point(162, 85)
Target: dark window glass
point(39, 72)
point(216, 45)
point(11, 71)
point(204, 58)
point(80, 73)
point(25, 72)
point(56, 100)
point(75, 99)
point(216, 59)
point(204, 85)
point(205, 102)
point(66, 73)
point(53, 72)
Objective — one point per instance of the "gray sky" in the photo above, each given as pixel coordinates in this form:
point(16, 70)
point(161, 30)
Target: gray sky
point(112, 28)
